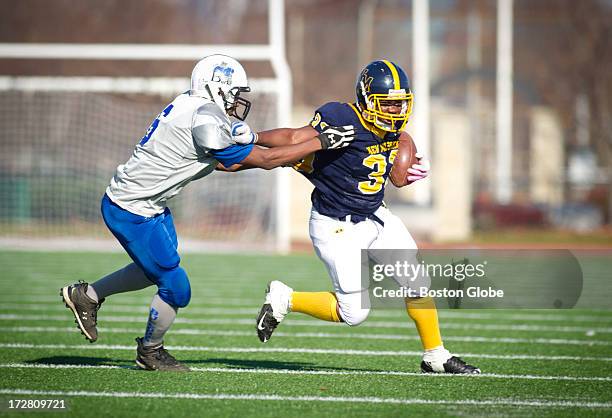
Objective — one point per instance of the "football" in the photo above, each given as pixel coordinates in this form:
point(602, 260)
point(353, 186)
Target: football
point(404, 159)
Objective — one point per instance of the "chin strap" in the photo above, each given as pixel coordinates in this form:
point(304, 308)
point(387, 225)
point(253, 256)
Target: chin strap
point(370, 126)
point(382, 125)
point(216, 98)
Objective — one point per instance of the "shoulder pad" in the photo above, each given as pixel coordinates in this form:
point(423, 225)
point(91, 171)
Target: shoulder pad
point(211, 127)
point(211, 112)
point(332, 113)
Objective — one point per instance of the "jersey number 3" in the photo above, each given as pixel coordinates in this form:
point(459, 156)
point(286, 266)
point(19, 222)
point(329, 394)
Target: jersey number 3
point(378, 164)
point(153, 126)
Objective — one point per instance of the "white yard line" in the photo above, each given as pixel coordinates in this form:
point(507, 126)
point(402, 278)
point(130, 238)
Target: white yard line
point(372, 324)
point(137, 302)
point(49, 297)
point(142, 308)
point(264, 397)
point(396, 313)
point(331, 372)
point(251, 334)
point(297, 351)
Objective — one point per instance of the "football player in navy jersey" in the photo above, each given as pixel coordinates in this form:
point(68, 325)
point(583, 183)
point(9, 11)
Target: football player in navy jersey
point(348, 213)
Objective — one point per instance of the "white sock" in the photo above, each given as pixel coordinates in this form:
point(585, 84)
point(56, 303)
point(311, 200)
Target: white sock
point(439, 353)
point(161, 317)
point(127, 279)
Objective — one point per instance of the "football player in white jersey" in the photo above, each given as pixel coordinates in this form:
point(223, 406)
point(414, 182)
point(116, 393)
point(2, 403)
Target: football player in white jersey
point(189, 139)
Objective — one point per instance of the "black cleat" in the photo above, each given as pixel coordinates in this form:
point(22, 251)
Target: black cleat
point(453, 365)
point(266, 324)
point(84, 308)
point(157, 358)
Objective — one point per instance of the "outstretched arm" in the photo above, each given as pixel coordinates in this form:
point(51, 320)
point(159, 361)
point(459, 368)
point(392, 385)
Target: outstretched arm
point(269, 158)
point(242, 134)
point(286, 136)
point(273, 138)
point(332, 137)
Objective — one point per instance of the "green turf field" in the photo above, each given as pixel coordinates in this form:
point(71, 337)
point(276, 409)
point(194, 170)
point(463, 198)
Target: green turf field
point(535, 363)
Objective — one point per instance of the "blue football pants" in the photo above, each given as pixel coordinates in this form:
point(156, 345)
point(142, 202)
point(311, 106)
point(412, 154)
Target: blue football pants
point(152, 244)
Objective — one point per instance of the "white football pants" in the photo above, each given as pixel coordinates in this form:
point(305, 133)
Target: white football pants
point(338, 243)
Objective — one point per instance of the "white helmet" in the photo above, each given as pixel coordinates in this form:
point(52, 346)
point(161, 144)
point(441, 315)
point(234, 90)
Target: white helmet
point(222, 79)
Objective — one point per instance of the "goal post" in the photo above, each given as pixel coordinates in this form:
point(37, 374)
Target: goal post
point(63, 137)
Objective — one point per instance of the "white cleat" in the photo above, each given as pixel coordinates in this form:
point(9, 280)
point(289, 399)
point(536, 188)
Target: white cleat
point(274, 309)
point(278, 295)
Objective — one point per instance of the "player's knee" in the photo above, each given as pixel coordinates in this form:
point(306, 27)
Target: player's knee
point(174, 288)
point(354, 315)
point(353, 308)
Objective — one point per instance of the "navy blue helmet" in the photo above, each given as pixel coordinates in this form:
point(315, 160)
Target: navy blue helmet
point(381, 84)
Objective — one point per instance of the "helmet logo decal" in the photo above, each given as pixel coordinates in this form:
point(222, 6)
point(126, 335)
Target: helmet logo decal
point(366, 80)
point(223, 74)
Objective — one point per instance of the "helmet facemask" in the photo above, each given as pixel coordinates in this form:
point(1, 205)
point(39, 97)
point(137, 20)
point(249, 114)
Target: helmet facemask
point(233, 104)
point(390, 122)
point(237, 106)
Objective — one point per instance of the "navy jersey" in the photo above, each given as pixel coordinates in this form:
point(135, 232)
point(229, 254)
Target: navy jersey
point(349, 181)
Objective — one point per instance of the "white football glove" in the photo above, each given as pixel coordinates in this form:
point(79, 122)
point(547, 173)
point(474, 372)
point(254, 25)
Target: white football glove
point(242, 134)
point(419, 170)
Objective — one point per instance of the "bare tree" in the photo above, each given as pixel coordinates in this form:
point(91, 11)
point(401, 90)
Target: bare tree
point(570, 55)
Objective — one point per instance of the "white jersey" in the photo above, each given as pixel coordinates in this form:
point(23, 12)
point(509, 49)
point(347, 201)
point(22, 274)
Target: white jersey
point(175, 151)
